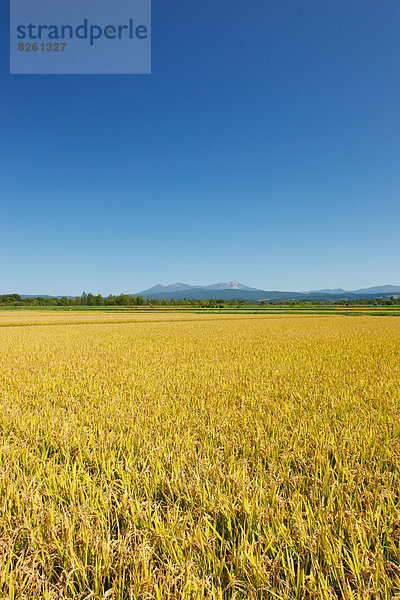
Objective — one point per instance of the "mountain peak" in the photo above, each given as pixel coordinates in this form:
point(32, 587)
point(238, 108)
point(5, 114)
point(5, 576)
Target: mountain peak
point(229, 285)
point(235, 284)
point(171, 287)
point(177, 284)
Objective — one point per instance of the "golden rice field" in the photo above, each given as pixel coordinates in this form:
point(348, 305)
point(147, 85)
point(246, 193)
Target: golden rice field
point(199, 457)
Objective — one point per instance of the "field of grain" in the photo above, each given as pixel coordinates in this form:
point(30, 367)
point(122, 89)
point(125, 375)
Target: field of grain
point(183, 457)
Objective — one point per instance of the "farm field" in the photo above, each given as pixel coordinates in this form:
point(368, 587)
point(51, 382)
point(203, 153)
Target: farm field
point(23, 313)
point(270, 309)
point(199, 456)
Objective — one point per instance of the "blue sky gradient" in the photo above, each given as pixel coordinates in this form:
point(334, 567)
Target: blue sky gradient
point(264, 147)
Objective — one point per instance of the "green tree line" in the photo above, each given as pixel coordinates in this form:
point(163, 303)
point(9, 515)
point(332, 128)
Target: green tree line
point(89, 299)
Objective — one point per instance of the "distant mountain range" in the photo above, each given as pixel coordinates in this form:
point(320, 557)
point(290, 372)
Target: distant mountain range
point(378, 289)
point(182, 287)
point(233, 290)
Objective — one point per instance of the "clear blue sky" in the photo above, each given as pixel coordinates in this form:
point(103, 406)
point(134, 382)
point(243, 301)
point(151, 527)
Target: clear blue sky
point(264, 147)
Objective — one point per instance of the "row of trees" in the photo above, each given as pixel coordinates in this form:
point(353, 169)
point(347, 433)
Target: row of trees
point(126, 300)
point(121, 300)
